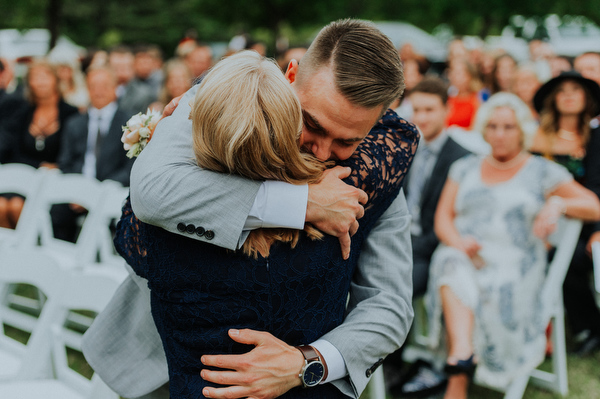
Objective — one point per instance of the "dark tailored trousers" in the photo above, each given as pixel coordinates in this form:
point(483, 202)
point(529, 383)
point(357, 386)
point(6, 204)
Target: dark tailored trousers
point(579, 298)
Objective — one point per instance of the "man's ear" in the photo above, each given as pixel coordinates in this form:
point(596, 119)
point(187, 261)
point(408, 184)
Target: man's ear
point(292, 71)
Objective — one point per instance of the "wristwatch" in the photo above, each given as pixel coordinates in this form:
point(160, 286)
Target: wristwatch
point(314, 371)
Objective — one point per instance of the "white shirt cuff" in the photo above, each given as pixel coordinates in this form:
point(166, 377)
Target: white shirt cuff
point(278, 205)
point(336, 367)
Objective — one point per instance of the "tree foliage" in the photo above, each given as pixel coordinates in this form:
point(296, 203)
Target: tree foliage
point(105, 22)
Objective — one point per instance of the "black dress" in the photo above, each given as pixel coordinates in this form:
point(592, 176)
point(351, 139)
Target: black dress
point(200, 291)
point(19, 146)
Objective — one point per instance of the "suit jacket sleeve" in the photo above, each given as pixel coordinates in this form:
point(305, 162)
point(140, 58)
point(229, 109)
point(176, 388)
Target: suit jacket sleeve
point(72, 135)
point(169, 190)
point(380, 309)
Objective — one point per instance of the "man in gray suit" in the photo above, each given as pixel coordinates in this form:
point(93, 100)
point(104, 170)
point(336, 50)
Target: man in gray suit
point(170, 191)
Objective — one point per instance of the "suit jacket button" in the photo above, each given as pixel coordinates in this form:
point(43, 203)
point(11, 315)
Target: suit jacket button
point(209, 234)
point(181, 227)
point(368, 373)
point(200, 231)
point(190, 228)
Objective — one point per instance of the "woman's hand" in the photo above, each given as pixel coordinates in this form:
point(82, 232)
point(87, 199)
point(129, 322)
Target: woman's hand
point(48, 165)
point(471, 247)
point(545, 221)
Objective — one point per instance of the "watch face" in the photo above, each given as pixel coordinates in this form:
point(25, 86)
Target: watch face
point(313, 374)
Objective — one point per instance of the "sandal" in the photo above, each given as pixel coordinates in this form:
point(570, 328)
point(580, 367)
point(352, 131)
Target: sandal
point(467, 367)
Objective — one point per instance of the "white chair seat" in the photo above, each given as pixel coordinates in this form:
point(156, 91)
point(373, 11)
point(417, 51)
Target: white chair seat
point(8, 364)
point(45, 389)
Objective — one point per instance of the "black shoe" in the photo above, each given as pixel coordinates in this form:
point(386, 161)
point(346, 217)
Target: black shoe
point(420, 381)
point(588, 346)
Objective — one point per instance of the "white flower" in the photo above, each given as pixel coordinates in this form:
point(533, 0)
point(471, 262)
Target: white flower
point(136, 121)
point(138, 132)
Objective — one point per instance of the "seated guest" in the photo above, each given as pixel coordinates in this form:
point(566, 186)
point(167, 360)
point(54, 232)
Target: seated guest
point(486, 276)
point(436, 153)
point(32, 135)
point(178, 80)
point(92, 145)
point(463, 99)
point(70, 77)
point(133, 95)
point(199, 59)
point(505, 68)
point(526, 85)
point(566, 105)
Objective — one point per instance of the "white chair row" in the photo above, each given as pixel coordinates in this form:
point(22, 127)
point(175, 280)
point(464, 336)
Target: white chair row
point(565, 241)
point(40, 368)
point(44, 188)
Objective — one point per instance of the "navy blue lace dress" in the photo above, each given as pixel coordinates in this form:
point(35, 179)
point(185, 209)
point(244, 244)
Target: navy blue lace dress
point(199, 291)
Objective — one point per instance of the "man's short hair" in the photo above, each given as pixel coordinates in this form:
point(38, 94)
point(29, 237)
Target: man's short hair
point(366, 66)
point(432, 85)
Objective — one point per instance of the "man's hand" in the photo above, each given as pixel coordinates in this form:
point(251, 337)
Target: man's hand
point(267, 371)
point(334, 206)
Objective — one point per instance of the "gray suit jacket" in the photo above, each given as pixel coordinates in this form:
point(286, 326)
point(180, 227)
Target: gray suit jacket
point(112, 163)
point(168, 188)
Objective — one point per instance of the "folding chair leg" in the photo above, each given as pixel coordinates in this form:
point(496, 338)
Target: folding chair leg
point(377, 385)
point(559, 358)
point(517, 388)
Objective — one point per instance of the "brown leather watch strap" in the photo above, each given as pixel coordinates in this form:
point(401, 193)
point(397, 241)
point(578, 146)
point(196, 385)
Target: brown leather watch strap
point(310, 355)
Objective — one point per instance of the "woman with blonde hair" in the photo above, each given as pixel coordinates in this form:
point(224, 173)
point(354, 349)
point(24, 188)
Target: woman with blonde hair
point(33, 134)
point(178, 80)
point(293, 284)
point(487, 274)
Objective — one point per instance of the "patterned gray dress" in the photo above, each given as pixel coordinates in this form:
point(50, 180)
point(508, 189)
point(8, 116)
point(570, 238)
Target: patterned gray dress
point(504, 294)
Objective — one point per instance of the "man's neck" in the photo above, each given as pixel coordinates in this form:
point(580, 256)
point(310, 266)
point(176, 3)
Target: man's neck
point(437, 136)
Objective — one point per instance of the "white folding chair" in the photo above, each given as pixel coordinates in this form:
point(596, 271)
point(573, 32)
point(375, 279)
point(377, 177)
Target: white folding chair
point(565, 240)
point(67, 189)
point(88, 289)
point(32, 359)
point(26, 181)
point(109, 211)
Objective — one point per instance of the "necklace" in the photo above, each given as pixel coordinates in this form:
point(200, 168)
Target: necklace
point(567, 135)
point(505, 165)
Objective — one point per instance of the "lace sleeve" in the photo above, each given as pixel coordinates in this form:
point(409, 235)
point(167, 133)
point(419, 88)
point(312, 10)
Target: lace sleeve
point(129, 240)
point(383, 159)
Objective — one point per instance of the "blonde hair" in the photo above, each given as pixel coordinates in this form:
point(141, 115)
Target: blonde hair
point(44, 64)
point(523, 115)
point(247, 120)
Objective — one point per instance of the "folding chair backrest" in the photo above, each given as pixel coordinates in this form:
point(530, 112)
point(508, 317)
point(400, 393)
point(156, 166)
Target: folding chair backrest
point(88, 290)
point(109, 212)
point(68, 189)
point(565, 240)
point(26, 181)
point(37, 269)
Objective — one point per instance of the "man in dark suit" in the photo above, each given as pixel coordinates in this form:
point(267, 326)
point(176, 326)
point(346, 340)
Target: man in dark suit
point(423, 186)
point(92, 141)
point(9, 103)
point(91, 145)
